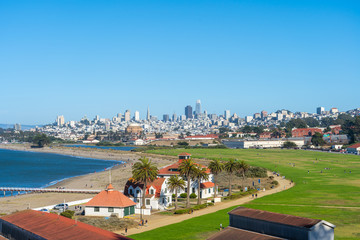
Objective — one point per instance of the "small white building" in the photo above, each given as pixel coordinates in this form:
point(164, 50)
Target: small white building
point(110, 202)
point(355, 148)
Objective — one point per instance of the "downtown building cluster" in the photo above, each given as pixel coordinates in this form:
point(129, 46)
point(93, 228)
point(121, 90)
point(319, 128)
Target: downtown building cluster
point(192, 122)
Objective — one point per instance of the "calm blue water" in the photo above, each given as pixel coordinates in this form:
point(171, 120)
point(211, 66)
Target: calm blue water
point(101, 147)
point(31, 169)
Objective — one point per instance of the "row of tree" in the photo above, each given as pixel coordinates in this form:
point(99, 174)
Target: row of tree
point(145, 171)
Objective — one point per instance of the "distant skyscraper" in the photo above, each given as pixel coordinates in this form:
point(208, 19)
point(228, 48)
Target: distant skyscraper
point(320, 110)
point(148, 114)
point(198, 107)
point(166, 118)
point(17, 127)
point(60, 120)
point(137, 116)
point(264, 114)
point(227, 114)
point(127, 116)
point(188, 112)
point(174, 117)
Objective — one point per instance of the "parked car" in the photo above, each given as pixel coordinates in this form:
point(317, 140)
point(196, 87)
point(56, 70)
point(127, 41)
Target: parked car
point(44, 210)
point(61, 206)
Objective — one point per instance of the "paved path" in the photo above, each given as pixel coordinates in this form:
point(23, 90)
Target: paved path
point(158, 220)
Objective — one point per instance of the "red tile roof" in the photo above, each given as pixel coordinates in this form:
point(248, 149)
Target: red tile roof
point(157, 184)
point(110, 198)
point(184, 154)
point(231, 233)
point(54, 227)
point(356, 145)
point(275, 217)
point(173, 169)
point(207, 185)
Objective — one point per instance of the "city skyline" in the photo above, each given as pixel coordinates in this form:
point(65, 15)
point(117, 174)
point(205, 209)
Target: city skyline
point(95, 58)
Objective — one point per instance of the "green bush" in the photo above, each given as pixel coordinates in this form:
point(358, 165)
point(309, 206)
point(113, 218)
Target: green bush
point(239, 195)
point(275, 182)
point(193, 195)
point(256, 172)
point(68, 214)
point(173, 196)
point(183, 195)
point(182, 211)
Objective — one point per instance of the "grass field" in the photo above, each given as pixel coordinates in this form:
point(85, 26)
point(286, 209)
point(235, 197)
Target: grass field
point(329, 191)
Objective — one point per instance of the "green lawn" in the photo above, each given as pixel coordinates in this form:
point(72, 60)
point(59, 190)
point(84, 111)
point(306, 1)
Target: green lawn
point(332, 195)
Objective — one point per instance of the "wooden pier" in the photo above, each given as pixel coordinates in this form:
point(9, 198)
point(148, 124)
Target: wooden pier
point(45, 190)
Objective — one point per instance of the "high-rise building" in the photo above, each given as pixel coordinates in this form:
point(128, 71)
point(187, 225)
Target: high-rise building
point(137, 116)
point(248, 119)
point(166, 118)
point(148, 114)
point(264, 114)
point(127, 116)
point(182, 117)
point(320, 110)
point(257, 115)
point(198, 107)
point(174, 117)
point(188, 112)
point(227, 114)
point(60, 121)
point(17, 127)
point(334, 110)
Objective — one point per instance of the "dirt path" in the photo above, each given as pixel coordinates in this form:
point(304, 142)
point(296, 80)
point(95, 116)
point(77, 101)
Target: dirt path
point(157, 220)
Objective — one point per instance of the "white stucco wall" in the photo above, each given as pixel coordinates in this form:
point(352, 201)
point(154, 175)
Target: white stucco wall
point(103, 212)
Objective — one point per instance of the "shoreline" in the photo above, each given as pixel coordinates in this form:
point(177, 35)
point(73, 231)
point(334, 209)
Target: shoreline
point(98, 180)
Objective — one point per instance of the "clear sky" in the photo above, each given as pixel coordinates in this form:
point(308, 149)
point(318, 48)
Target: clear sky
point(77, 58)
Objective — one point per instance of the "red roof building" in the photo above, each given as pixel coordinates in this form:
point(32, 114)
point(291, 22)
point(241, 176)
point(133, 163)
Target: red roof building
point(30, 224)
point(110, 202)
point(304, 132)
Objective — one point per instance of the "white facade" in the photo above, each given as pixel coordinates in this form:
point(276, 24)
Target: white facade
point(104, 211)
point(262, 143)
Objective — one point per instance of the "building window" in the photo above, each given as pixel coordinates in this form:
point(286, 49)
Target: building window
point(193, 190)
point(137, 192)
point(165, 190)
point(110, 209)
point(147, 201)
point(209, 190)
point(96, 209)
point(130, 191)
point(151, 191)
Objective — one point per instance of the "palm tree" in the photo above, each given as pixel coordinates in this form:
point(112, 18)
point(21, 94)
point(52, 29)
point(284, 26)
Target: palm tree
point(230, 167)
point(216, 167)
point(187, 168)
point(200, 174)
point(243, 168)
point(144, 171)
point(175, 183)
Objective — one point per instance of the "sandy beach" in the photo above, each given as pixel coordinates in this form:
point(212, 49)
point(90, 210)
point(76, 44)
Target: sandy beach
point(119, 175)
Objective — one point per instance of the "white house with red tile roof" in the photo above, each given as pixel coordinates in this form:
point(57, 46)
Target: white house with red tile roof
point(207, 187)
point(355, 148)
point(110, 202)
point(157, 195)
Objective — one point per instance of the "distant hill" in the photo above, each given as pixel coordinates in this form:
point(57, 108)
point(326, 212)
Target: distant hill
point(23, 127)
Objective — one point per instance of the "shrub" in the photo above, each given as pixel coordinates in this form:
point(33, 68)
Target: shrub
point(271, 177)
point(182, 211)
point(193, 195)
point(68, 214)
point(275, 182)
point(210, 204)
point(183, 195)
point(173, 196)
point(256, 172)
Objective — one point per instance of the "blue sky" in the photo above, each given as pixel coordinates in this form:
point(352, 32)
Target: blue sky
point(77, 58)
